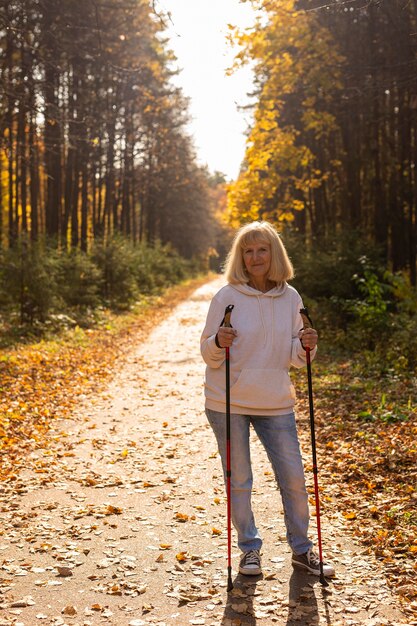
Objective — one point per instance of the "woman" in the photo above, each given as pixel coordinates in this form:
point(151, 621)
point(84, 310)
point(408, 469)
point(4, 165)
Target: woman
point(266, 338)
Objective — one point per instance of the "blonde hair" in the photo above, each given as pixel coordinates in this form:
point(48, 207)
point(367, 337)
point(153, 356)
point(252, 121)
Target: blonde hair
point(281, 268)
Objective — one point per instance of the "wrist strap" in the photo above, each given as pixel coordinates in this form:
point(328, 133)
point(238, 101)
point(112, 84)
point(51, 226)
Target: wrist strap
point(216, 341)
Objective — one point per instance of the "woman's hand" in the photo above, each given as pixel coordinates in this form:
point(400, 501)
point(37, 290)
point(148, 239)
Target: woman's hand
point(225, 336)
point(308, 338)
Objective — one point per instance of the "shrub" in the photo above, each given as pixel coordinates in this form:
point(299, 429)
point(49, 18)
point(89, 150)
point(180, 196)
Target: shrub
point(29, 281)
point(143, 269)
point(325, 269)
point(78, 280)
point(50, 289)
point(356, 302)
point(168, 267)
point(115, 260)
point(384, 325)
point(159, 266)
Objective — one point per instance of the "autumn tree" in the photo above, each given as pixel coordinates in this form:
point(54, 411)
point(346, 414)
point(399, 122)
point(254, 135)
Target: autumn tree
point(295, 74)
point(333, 144)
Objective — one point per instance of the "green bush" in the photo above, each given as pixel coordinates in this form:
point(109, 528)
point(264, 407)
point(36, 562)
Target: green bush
point(143, 269)
point(325, 269)
point(366, 312)
point(168, 267)
point(159, 266)
point(43, 288)
point(28, 280)
point(356, 303)
point(78, 280)
point(384, 326)
point(115, 261)
point(324, 275)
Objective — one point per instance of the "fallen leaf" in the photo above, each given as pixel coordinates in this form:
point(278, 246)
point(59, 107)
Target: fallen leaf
point(64, 571)
point(69, 610)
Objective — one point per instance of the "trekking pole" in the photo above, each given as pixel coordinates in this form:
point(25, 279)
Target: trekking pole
point(226, 322)
point(309, 324)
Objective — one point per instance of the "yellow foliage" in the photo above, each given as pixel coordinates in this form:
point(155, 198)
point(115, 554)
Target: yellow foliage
point(295, 61)
point(297, 205)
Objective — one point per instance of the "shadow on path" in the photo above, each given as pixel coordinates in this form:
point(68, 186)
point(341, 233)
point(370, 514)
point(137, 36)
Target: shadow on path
point(243, 606)
point(240, 601)
point(302, 601)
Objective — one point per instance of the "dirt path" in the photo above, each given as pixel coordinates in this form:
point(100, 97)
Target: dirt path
point(121, 519)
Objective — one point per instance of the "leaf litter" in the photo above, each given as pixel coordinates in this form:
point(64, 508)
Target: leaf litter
point(139, 542)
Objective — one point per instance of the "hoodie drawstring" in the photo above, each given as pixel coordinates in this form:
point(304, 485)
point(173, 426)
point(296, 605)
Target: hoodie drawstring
point(263, 319)
point(274, 293)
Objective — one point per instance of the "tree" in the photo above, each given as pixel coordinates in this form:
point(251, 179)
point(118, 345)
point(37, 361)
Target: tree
point(333, 144)
point(93, 139)
point(296, 73)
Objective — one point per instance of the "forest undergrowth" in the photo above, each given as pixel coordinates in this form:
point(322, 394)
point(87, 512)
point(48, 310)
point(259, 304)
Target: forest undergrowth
point(366, 429)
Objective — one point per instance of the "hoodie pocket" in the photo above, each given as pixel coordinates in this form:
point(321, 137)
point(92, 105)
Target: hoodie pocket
point(263, 389)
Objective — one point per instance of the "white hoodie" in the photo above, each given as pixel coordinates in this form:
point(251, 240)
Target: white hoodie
point(266, 346)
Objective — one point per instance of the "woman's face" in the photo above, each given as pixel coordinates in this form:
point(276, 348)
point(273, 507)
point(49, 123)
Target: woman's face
point(257, 259)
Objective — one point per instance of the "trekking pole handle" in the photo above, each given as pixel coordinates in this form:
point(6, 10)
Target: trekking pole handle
point(307, 321)
point(228, 312)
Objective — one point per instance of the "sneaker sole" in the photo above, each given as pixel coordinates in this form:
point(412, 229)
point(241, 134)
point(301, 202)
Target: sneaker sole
point(251, 572)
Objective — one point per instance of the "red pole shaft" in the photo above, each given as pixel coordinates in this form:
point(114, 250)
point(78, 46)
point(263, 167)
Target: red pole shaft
point(315, 470)
point(228, 476)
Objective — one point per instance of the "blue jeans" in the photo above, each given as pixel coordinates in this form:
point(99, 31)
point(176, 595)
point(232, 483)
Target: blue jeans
point(278, 435)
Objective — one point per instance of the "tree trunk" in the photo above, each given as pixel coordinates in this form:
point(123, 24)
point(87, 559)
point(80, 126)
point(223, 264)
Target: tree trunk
point(52, 132)
point(84, 204)
point(34, 179)
point(109, 178)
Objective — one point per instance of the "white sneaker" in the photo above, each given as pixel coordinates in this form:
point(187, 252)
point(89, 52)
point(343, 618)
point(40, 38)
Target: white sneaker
point(250, 563)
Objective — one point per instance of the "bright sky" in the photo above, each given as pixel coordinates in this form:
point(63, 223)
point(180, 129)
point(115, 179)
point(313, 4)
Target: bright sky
point(198, 38)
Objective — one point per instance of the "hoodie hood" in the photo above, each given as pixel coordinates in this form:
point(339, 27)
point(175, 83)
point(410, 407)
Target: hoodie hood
point(275, 292)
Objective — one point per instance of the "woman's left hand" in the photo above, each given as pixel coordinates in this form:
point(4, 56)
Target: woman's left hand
point(308, 338)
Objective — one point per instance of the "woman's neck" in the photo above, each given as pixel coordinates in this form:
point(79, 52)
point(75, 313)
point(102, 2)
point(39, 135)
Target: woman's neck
point(261, 284)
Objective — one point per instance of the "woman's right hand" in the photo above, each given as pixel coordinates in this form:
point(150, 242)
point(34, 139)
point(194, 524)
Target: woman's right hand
point(226, 336)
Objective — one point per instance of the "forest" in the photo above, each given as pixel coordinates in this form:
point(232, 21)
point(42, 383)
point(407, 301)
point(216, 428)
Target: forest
point(104, 207)
point(94, 145)
point(101, 195)
point(94, 156)
point(331, 159)
point(333, 145)
point(93, 132)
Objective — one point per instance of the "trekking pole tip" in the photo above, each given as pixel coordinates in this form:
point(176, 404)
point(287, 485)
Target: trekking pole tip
point(229, 579)
point(323, 581)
